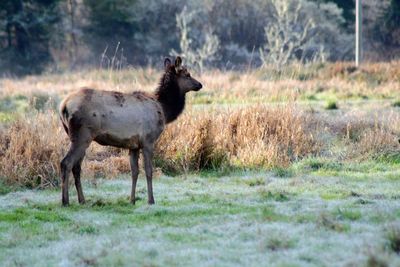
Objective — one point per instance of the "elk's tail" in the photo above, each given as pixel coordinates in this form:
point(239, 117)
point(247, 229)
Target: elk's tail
point(64, 115)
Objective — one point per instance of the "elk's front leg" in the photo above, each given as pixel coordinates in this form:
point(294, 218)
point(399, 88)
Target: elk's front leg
point(148, 166)
point(134, 158)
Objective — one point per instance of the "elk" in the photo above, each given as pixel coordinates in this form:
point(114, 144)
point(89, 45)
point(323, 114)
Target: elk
point(126, 120)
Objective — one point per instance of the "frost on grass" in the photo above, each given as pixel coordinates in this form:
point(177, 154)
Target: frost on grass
point(227, 221)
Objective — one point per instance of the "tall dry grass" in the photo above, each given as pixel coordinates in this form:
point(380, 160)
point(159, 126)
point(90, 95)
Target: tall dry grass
point(33, 146)
point(361, 135)
point(31, 150)
point(341, 80)
point(259, 136)
point(374, 139)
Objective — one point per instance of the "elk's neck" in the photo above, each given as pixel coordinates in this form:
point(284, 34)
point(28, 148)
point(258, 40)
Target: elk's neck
point(171, 99)
point(172, 106)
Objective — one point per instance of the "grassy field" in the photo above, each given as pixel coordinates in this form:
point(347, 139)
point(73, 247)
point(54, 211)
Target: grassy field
point(298, 167)
point(308, 218)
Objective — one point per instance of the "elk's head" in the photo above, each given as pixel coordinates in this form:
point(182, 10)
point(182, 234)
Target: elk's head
point(184, 81)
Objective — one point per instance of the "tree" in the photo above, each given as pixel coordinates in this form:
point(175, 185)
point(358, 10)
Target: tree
point(25, 30)
point(111, 25)
point(302, 30)
point(348, 7)
point(388, 27)
point(287, 33)
point(195, 56)
point(73, 39)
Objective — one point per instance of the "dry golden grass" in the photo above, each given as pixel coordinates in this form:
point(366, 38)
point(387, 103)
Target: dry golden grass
point(373, 140)
point(362, 134)
point(249, 137)
point(342, 80)
point(257, 136)
point(32, 148)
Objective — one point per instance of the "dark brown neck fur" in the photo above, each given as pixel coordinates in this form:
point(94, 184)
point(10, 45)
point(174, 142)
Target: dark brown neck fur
point(169, 95)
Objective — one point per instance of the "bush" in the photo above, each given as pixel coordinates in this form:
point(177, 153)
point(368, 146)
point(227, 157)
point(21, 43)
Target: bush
point(393, 238)
point(331, 105)
point(396, 104)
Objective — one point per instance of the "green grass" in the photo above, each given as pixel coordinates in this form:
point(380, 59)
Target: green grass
point(6, 117)
point(283, 172)
point(276, 196)
point(348, 214)
point(17, 103)
point(243, 218)
point(4, 189)
point(13, 106)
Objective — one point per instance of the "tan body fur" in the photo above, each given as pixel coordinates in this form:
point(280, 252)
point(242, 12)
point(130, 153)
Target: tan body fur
point(133, 121)
point(116, 119)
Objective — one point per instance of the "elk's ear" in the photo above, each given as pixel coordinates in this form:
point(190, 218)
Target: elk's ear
point(167, 63)
point(178, 62)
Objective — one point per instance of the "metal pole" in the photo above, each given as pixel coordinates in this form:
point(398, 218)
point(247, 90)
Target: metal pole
point(358, 33)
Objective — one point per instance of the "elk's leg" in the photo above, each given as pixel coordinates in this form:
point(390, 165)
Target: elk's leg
point(75, 153)
point(148, 166)
point(76, 170)
point(66, 166)
point(134, 158)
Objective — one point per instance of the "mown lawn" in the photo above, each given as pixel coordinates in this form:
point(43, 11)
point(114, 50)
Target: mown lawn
point(313, 214)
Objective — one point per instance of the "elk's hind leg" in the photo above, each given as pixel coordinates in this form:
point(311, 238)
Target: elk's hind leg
point(134, 158)
point(76, 170)
point(75, 154)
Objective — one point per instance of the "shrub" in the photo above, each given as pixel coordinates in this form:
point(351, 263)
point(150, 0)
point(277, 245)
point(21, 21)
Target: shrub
point(283, 172)
point(328, 222)
point(376, 260)
point(280, 242)
point(331, 105)
point(393, 238)
point(376, 142)
point(396, 104)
